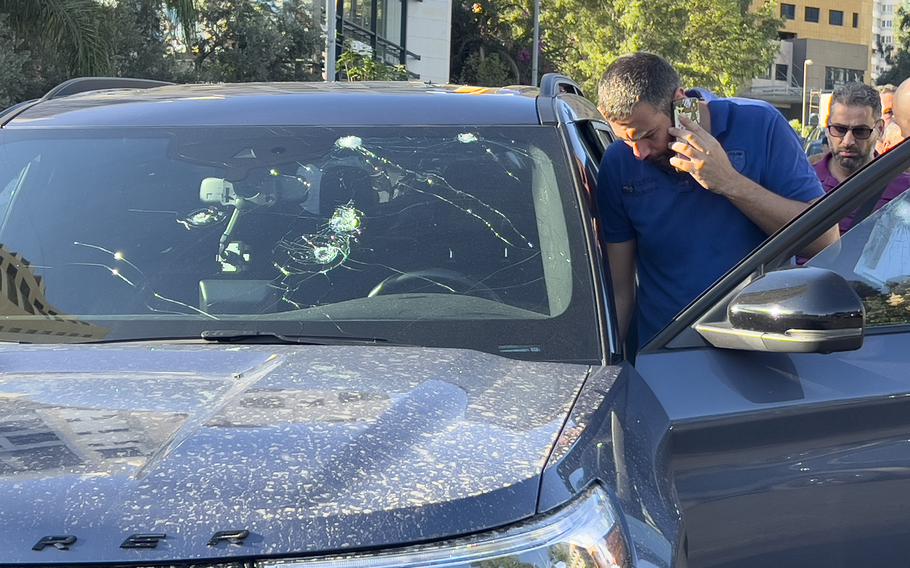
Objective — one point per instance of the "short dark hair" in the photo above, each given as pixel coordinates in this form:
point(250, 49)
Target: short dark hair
point(637, 78)
point(858, 94)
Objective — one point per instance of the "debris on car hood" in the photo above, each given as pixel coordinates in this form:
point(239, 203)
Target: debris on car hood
point(308, 449)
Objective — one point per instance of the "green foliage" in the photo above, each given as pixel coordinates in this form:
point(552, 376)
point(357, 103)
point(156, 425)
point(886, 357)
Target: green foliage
point(72, 29)
point(718, 44)
point(46, 42)
point(185, 15)
point(244, 40)
point(13, 65)
point(484, 28)
point(889, 307)
point(801, 130)
point(486, 70)
point(358, 64)
point(139, 44)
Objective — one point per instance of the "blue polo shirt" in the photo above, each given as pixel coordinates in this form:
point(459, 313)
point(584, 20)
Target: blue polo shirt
point(686, 236)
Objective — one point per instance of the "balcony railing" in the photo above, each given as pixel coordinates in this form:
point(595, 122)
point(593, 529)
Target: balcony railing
point(386, 51)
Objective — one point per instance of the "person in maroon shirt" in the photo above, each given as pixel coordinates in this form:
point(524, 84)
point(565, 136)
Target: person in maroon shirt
point(854, 126)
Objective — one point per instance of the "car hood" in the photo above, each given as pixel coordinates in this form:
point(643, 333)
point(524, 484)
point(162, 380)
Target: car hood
point(310, 449)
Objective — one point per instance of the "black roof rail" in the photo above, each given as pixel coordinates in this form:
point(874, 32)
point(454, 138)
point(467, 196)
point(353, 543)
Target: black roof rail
point(553, 84)
point(85, 84)
point(10, 112)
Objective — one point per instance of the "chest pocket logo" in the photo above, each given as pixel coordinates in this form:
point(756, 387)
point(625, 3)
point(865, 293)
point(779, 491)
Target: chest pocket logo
point(639, 187)
point(737, 159)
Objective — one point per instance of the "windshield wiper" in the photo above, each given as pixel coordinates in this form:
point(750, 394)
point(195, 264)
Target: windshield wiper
point(255, 336)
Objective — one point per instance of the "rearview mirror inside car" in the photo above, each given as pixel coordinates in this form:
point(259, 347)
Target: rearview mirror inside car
point(800, 310)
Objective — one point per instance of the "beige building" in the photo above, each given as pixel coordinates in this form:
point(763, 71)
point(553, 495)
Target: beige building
point(831, 40)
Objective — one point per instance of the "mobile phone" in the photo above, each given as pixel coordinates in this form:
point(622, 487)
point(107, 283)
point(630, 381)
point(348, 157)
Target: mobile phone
point(687, 107)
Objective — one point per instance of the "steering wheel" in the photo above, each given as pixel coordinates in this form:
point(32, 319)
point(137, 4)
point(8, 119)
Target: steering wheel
point(439, 280)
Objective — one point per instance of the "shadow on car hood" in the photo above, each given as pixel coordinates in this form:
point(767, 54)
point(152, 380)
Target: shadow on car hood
point(310, 449)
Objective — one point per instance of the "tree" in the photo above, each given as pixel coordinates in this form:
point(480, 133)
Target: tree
point(717, 44)
point(139, 44)
point(243, 40)
point(71, 29)
point(13, 66)
point(488, 70)
point(491, 42)
point(185, 15)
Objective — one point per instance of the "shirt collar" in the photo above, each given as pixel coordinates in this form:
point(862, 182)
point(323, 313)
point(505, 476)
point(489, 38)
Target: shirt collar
point(720, 113)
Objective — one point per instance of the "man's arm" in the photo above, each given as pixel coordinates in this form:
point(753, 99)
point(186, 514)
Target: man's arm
point(707, 162)
point(621, 258)
point(770, 211)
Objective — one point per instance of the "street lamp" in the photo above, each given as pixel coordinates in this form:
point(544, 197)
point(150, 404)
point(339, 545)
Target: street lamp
point(806, 65)
point(330, 39)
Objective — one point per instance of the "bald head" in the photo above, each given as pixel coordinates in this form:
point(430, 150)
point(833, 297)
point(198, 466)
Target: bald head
point(902, 107)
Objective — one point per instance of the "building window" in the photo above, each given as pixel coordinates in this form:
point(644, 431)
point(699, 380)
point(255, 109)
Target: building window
point(788, 11)
point(376, 24)
point(837, 76)
point(812, 14)
point(855, 20)
point(836, 17)
point(781, 71)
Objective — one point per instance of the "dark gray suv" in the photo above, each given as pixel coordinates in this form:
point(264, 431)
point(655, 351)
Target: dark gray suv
point(368, 326)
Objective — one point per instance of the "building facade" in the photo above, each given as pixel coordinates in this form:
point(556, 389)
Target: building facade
point(885, 25)
point(414, 33)
point(830, 40)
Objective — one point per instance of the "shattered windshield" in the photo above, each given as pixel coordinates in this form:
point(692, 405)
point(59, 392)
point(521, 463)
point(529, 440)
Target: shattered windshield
point(454, 237)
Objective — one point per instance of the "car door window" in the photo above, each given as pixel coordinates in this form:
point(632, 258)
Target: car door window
point(597, 136)
point(874, 256)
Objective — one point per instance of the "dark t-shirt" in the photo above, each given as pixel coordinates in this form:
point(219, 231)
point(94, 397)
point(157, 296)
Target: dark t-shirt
point(686, 236)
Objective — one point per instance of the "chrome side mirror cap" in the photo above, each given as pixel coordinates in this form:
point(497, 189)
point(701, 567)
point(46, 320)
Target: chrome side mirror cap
point(799, 310)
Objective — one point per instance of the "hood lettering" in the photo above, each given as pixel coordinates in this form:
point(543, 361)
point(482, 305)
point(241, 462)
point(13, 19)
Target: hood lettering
point(60, 542)
point(149, 540)
point(230, 537)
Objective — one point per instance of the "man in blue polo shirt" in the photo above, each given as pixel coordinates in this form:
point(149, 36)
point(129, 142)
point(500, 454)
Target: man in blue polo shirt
point(682, 206)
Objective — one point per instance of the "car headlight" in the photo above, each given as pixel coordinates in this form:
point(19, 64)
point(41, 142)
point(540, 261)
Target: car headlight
point(584, 534)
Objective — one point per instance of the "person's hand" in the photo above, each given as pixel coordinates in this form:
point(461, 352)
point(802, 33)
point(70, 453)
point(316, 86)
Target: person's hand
point(702, 156)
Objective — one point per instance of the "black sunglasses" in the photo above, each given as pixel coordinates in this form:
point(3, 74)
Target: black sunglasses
point(859, 132)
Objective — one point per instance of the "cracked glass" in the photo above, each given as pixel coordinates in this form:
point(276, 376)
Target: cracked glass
point(464, 237)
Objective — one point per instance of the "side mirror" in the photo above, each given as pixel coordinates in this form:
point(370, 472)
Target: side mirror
point(800, 310)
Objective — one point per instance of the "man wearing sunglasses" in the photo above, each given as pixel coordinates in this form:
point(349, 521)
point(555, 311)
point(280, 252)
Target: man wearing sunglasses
point(854, 126)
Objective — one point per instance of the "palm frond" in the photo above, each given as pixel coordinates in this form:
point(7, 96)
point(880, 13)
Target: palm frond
point(73, 26)
point(185, 13)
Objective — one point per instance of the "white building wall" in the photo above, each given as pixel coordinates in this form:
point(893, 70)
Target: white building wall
point(429, 35)
point(884, 31)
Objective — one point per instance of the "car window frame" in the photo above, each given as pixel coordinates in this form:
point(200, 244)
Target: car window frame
point(775, 251)
point(575, 115)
